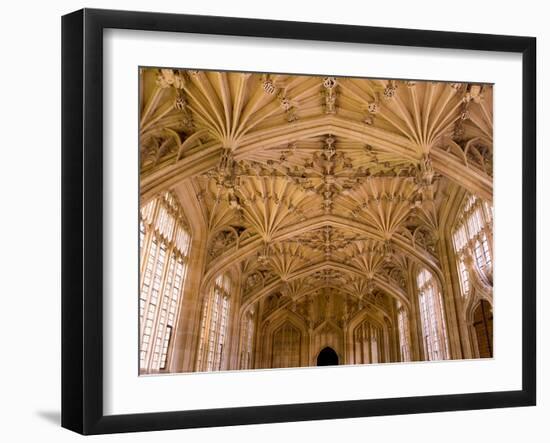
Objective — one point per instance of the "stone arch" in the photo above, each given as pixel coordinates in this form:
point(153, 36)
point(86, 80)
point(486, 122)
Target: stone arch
point(327, 334)
point(251, 247)
point(366, 315)
point(386, 286)
point(269, 326)
point(199, 161)
point(327, 357)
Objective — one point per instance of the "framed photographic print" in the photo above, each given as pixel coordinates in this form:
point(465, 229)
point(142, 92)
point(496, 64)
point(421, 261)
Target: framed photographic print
point(271, 221)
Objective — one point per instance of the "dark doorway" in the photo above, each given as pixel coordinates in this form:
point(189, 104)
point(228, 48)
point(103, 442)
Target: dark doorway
point(483, 324)
point(327, 357)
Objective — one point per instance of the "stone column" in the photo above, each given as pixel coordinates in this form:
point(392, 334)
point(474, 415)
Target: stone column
point(188, 325)
point(233, 334)
point(415, 322)
point(259, 348)
point(394, 338)
point(188, 322)
point(451, 293)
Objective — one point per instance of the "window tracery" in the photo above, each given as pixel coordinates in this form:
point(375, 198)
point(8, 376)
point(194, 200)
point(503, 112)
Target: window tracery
point(434, 328)
point(164, 248)
point(404, 334)
point(472, 241)
point(214, 321)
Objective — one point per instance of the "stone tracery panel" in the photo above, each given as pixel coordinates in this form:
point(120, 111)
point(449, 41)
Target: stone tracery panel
point(286, 347)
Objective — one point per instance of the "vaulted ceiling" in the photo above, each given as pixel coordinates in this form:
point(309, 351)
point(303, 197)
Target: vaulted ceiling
point(309, 183)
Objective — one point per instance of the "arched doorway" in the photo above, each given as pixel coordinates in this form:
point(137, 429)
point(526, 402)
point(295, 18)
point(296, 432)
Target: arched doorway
point(327, 357)
point(483, 324)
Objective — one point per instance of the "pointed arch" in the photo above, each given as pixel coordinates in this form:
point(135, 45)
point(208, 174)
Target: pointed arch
point(199, 161)
point(270, 327)
point(253, 245)
point(386, 286)
point(366, 315)
point(327, 335)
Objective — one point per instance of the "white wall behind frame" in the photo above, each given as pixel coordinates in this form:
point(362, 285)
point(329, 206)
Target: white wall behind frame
point(30, 116)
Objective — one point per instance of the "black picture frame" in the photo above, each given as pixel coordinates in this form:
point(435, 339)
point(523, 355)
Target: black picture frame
point(82, 215)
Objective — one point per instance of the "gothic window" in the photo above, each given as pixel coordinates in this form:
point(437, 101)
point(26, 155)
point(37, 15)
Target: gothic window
point(164, 247)
point(368, 343)
point(432, 317)
point(214, 321)
point(404, 335)
point(247, 343)
point(472, 237)
point(482, 254)
point(463, 276)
